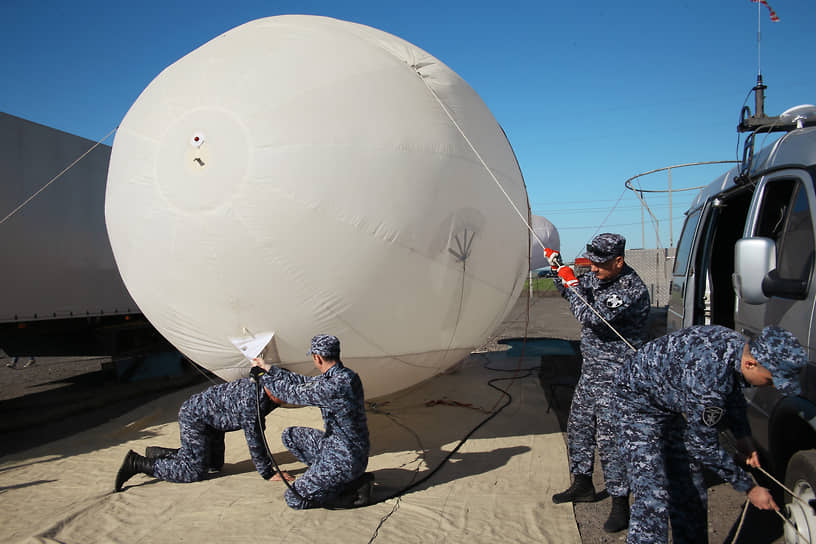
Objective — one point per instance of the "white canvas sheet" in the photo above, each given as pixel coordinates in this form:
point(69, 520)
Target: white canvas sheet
point(497, 488)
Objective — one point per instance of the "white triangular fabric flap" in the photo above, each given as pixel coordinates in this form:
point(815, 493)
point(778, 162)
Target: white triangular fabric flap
point(252, 346)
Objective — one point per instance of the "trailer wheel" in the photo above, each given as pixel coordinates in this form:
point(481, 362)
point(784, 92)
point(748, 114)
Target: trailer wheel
point(800, 478)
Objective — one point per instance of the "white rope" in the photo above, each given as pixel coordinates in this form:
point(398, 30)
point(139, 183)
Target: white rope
point(55, 178)
point(793, 525)
point(778, 513)
point(521, 216)
point(481, 160)
point(742, 519)
point(582, 299)
point(780, 484)
point(609, 213)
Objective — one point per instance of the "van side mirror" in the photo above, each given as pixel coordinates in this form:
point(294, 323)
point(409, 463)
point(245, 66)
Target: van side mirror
point(753, 259)
point(755, 276)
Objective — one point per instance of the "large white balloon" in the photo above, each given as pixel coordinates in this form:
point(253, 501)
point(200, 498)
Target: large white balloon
point(305, 175)
point(548, 235)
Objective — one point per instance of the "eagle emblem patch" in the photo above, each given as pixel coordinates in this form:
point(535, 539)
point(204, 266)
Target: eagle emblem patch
point(712, 415)
point(614, 301)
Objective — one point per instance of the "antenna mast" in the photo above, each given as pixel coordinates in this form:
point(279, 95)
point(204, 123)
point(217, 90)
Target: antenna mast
point(759, 122)
point(759, 90)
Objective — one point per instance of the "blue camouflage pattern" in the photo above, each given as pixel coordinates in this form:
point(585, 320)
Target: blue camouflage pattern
point(673, 394)
point(203, 420)
point(624, 302)
point(325, 345)
point(334, 457)
point(780, 352)
point(605, 247)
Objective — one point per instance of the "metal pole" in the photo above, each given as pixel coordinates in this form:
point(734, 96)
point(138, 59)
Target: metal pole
point(642, 224)
point(671, 227)
point(530, 286)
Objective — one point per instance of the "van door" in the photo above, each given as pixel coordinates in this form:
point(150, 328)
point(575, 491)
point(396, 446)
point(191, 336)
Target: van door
point(704, 287)
point(783, 210)
point(682, 275)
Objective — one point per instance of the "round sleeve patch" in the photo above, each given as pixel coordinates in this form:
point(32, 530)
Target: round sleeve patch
point(614, 301)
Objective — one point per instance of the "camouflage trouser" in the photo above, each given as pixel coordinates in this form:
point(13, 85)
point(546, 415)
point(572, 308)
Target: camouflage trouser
point(329, 469)
point(592, 419)
point(202, 447)
point(665, 482)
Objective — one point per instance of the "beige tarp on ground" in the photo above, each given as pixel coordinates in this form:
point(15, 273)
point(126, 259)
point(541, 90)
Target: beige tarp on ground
point(495, 489)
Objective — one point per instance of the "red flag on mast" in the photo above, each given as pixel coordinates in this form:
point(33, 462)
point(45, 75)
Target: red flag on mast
point(774, 16)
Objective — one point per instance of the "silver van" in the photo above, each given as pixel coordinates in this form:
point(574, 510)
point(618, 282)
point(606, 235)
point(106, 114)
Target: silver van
point(745, 260)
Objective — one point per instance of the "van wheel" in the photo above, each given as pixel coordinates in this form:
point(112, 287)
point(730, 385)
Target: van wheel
point(800, 478)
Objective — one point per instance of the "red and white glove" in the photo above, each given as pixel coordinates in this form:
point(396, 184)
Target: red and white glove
point(554, 257)
point(567, 277)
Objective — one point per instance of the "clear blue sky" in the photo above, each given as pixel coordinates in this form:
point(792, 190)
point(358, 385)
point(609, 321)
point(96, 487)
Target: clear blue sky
point(589, 93)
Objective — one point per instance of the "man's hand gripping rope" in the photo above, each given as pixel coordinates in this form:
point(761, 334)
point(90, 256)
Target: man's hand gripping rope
point(568, 278)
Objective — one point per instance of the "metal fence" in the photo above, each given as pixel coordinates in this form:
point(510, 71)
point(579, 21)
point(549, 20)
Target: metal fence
point(654, 266)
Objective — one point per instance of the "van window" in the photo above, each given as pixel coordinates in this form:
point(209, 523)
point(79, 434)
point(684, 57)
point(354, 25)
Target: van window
point(785, 218)
point(684, 246)
point(794, 259)
point(774, 209)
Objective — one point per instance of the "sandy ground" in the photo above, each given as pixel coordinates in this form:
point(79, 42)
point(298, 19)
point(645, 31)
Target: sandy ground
point(72, 416)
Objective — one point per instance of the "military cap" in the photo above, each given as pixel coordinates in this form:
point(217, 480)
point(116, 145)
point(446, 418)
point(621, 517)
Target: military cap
point(325, 345)
point(780, 352)
point(605, 247)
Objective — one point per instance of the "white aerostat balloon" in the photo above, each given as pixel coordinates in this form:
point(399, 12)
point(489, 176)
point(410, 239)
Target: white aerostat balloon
point(548, 235)
point(305, 175)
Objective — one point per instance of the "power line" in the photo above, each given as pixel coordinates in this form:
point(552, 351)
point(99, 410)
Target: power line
point(613, 225)
point(586, 210)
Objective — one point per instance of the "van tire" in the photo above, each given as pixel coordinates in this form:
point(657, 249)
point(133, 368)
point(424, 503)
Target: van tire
point(800, 478)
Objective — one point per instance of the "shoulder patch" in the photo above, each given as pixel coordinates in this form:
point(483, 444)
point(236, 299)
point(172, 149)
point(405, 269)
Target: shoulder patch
point(614, 301)
point(712, 415)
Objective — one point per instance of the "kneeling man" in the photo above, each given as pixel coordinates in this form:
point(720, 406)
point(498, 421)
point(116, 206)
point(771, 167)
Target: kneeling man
point(338, 457)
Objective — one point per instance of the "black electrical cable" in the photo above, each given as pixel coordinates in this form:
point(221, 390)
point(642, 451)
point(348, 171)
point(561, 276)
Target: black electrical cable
point(259, 390)
point(411, 486)
point(490, 416)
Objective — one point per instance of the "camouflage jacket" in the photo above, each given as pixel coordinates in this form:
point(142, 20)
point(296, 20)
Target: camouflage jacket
point(338, 393)
point(695, 373)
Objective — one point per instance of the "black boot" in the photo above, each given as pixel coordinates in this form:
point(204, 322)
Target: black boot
point(581, 490)
point(619, 516)
point(157, 452)
point(363, 494)
point(356, 493)
point(133, 464)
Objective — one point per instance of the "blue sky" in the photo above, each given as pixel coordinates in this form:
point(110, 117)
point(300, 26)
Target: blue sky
point(589, 93)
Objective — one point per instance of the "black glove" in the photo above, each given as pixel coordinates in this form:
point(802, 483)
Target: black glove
point(255, 373)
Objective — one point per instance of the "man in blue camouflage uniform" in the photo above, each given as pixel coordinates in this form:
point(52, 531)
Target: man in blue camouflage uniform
point(615, 291)
point(672, 395)
point(338, 457)
point(203, 420)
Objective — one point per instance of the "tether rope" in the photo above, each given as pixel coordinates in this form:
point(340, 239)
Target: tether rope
point(778, 513)
point(510, 200)
point(780, 484)
point(55, 178)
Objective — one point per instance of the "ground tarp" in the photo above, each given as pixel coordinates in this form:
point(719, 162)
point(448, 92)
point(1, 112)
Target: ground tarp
point(497, 487)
